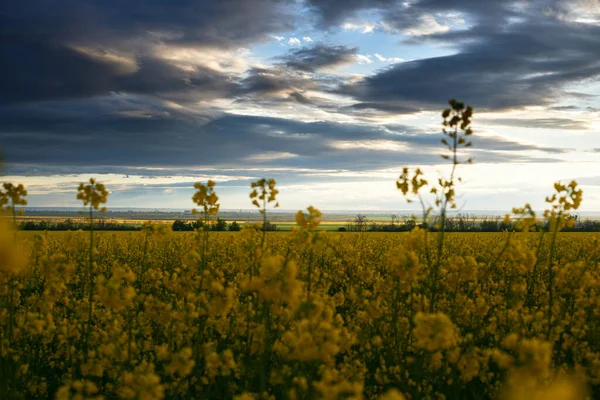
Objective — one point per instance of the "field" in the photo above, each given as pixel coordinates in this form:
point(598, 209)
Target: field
point(305, 315)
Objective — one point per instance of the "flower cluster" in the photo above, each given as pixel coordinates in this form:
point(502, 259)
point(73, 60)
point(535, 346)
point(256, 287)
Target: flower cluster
point(207, 198)
point(93, 194)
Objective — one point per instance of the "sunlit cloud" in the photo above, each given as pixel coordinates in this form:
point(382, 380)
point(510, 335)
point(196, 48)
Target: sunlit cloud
point(293, 41)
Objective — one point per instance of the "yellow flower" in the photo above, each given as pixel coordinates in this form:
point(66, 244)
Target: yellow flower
point(12, 256)
point(392, 394)
point(93, 194)
point(434, 332)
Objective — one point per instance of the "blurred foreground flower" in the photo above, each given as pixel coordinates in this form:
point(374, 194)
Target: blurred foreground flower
point(12, 258)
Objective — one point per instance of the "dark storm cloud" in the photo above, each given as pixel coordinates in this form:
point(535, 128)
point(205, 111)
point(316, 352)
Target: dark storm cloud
point(160, 137)
point(276, 79)
point(320, 56)
point(159, 78)
point(32, 70)
point(300, 98)
point(508, 70)
point(222, 23)
point(510, 54)
point(334, 12)
point(401, 14)
point(296, 72)
point(65, 48)
point(65, 74)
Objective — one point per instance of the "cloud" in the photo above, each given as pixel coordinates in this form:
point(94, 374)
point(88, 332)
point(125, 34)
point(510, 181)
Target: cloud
point(388, 59)
point(364, 58)
point(544, 123)
point(501, 70)
point(275, 80)
point(564, 108)
point(401, 15)
point(506, 54)
point(62, 49)
point(293, 41)
point(319, 57)
point(385, 106)
point(427, 25)
point(225, 61)
point(300, 98)
point(70, 138)
point(361, 26)
point(335, 12)
point(105, 85)
point(296, 73)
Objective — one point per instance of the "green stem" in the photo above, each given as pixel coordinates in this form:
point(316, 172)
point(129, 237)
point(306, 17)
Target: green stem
point(265, 358)
point(264, 233)
point(143, 269)
point(90, 286)
point(310, 270)
point(14, 215)
point(440, 249)
point(551, 275)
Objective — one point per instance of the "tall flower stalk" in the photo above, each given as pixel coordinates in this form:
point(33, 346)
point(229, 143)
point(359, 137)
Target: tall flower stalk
point(308, 223)
point(206, 198)
point(457, 131)
point(566, 198)
point(262, 195)
point(93, 195)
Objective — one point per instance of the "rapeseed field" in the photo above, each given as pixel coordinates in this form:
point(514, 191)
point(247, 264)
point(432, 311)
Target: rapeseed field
point(307, 314)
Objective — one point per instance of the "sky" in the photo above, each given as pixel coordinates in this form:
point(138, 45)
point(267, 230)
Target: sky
point(329, 97)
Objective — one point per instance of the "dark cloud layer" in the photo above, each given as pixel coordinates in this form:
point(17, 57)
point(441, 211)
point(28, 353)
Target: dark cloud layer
point(223, 23)
point(334, 12)
point(318, 57)
point(501, 71)
point(295, 73)
point(276, 79)
point(162, 138)
point(66, 49)
point(83, 85)
point(510, 54)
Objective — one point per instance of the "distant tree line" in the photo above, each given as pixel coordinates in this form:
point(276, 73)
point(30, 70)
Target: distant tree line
point(180, 225)
point(75, 225)
point(111, 225)
point(471, 223)
point(459, 223)
point(220, 225)
point(361, 223)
